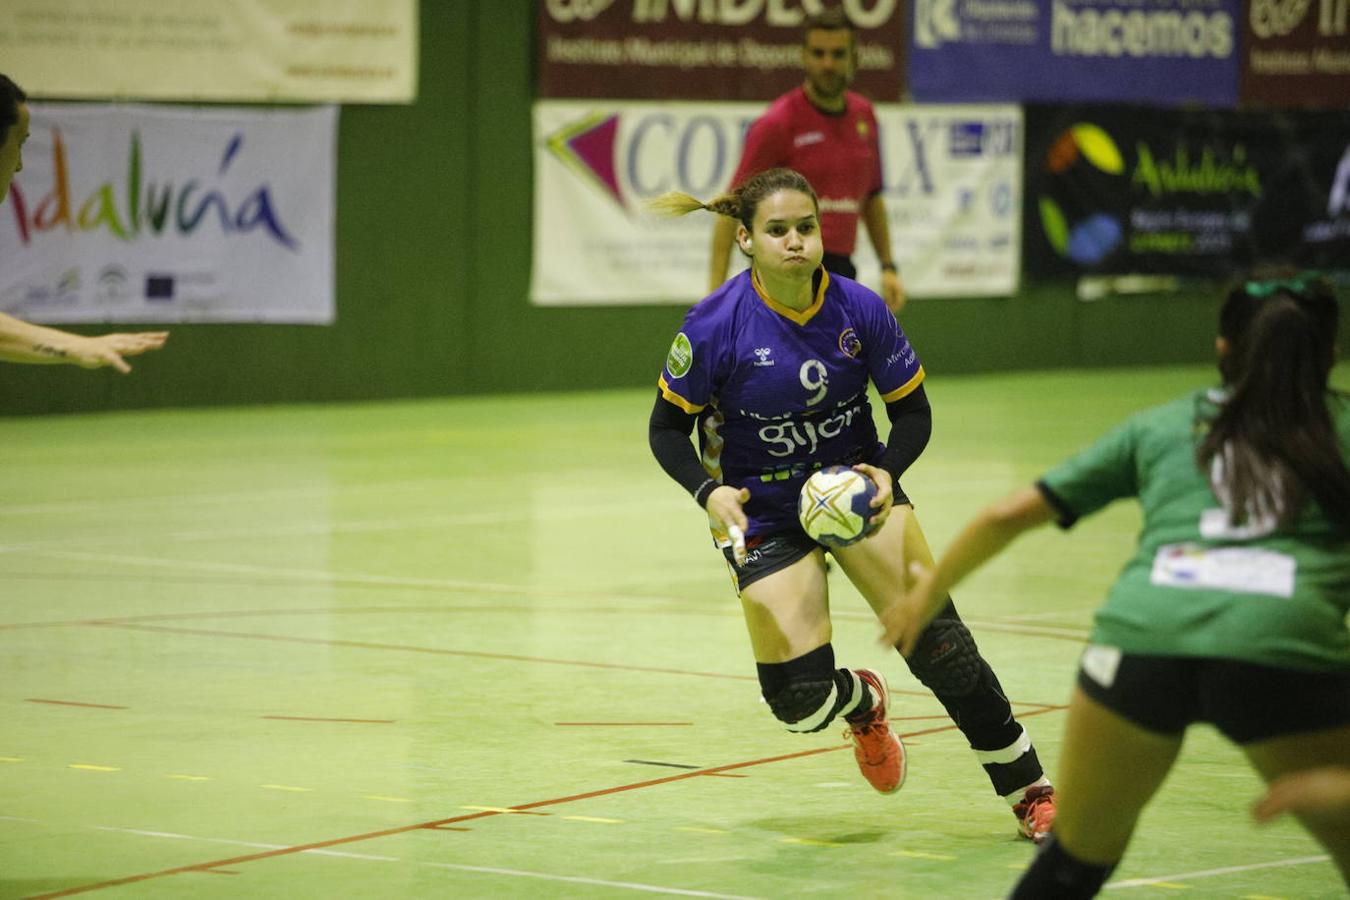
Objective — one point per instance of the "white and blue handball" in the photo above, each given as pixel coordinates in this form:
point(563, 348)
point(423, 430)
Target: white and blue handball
point(833, 506)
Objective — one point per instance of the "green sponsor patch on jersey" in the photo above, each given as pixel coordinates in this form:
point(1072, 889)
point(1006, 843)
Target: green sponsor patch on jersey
point(680, 357)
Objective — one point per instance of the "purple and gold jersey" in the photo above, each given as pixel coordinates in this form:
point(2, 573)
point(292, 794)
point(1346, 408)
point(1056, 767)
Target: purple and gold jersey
point(781, 393)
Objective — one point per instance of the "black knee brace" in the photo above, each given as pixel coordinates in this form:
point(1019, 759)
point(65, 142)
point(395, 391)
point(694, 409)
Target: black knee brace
point(807, 693)
point(947, 661)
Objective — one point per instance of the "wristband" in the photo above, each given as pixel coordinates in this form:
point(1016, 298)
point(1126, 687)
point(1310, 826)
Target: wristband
point(704, 489)
point(889, 267)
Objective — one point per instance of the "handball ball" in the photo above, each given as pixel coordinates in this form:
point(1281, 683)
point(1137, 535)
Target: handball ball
point(833, 506)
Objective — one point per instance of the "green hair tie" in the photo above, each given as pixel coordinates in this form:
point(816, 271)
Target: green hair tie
point(1298, 285)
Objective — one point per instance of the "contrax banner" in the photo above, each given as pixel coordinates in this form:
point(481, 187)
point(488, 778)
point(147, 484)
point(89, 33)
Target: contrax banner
point(266, 51)
point(1162, 52)
point(704, 49)
point(952, 190)
point(1114, 189)
point(171, 214)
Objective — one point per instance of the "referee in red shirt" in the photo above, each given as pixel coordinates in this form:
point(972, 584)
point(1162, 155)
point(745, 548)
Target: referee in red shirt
point(829, 134)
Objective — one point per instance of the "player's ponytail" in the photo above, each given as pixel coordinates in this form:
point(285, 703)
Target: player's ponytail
point(1274, 438)
point(739, 204)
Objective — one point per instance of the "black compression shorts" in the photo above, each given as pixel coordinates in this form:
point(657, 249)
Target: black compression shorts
point(1245, 701)
point(766, 554)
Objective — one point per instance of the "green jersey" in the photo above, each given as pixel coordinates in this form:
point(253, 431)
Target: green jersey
point(1198, 586)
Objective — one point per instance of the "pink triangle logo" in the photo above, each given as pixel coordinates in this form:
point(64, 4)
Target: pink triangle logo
point(587, 148)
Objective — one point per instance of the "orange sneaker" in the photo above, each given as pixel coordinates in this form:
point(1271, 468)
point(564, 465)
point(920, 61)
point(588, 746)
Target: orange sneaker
point(877, 748)
point(1036, 813)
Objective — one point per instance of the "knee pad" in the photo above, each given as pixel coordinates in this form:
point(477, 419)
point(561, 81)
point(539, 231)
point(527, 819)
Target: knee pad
point(806, 704)
point(947, 661)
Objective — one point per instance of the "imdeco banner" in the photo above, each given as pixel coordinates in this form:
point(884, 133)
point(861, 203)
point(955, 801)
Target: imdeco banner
point(171, 214)
point(265, 51)
point(952, 188)
point(1296, 53)
point(704, 49)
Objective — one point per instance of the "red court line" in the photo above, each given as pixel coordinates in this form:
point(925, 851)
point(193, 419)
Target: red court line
point(320, 719)
point(75, 703)
point(640, 724)
point(437, 651)
point(439, 824)
point(407, 648)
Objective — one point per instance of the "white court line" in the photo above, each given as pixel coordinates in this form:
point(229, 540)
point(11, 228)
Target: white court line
point(454, 867)
point(322, 528)
point(1207, 873)
point(318, 492)
point(326, 576)
point(630, 885)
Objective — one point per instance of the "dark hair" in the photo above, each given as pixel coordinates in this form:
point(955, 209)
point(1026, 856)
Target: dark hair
point(741, 203)
point(831, 19)
point(11, 95)
point(1274, 438)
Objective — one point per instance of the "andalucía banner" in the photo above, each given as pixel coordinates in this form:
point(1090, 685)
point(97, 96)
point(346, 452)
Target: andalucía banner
point(1117, 189)
point(952, 186)
point(171, 214)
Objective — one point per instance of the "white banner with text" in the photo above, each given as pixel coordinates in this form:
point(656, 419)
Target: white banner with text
point(263, 51)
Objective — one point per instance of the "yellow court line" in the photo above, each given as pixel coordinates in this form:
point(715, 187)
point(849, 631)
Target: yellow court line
point(1170, 885)
point(190, 777)
point(810, 842)
point(285, 787)
point(594, 819)
point(919, 854)
point(386, 799)
point(504, 809)
point(89, 768)
point(700, 830)
point(10, 759)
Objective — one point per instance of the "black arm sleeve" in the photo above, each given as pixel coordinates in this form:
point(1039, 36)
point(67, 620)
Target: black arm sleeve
point(668, 435)
point(911, 426)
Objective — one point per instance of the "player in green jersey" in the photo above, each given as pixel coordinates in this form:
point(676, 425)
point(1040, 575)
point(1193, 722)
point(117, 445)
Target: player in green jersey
point(1233, 608)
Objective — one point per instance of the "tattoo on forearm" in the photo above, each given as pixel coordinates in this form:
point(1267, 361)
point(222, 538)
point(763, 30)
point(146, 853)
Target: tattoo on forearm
point(49, 350)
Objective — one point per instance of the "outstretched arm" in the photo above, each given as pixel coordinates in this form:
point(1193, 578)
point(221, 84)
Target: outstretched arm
point(982, 538)
point(24, 342)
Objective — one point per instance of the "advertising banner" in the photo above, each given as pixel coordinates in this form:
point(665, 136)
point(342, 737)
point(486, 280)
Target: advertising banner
point(1114, 190)
point(701, 50)
point(952, 192)
point(265, 51)
point(171, 214)
point(1296, 54)
point(1164, 52)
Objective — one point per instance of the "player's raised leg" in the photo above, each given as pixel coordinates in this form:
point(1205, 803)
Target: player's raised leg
point(787, 615)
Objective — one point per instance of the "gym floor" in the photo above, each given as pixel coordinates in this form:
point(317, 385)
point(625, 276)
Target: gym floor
point(482, 647)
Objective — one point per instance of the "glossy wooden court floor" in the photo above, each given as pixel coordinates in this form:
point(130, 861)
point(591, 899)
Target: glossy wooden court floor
point(482, 648)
